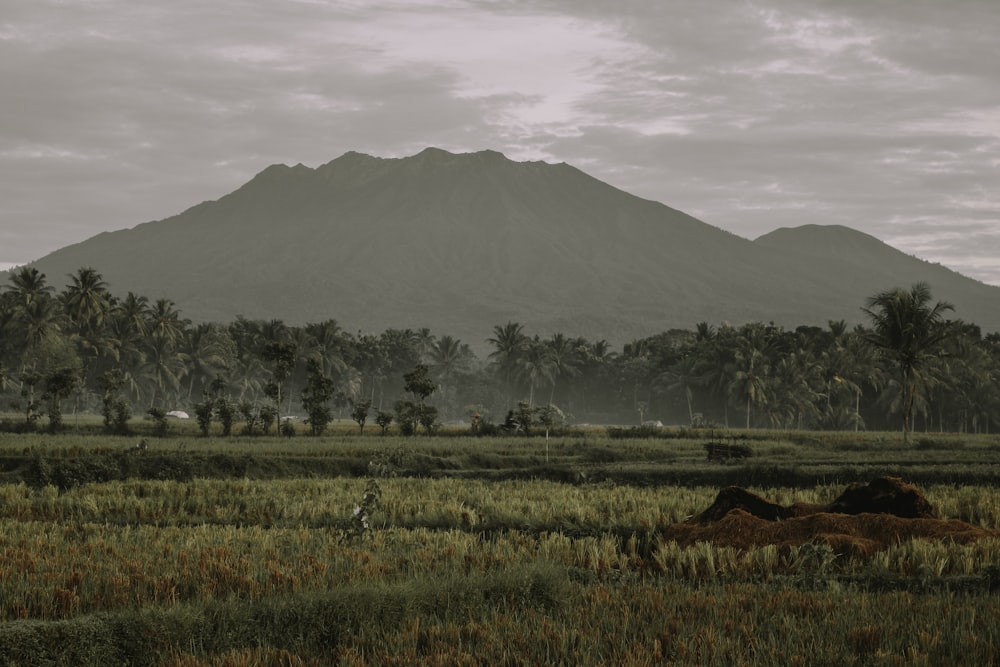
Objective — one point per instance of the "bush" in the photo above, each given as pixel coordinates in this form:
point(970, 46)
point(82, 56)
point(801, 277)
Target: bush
point(383, 419)
point(203, 413)
point(159, 417)
point(268, 415)
point(226, 413)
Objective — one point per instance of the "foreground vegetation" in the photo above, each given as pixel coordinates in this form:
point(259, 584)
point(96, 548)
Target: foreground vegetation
point(461, 550)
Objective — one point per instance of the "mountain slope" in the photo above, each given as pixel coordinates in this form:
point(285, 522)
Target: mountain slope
point(460, 243)
point(851, 261)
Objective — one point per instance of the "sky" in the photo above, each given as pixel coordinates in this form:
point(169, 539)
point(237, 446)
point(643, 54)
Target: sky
point(881, 115)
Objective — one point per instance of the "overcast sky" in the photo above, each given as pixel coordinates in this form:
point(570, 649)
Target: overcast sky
point(882, 115)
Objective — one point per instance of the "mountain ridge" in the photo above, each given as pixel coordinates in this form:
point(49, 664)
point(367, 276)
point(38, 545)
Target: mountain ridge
point(460, 242)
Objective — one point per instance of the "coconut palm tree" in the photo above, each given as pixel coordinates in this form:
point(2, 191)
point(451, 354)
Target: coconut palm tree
point(795, 390)
point(326, 344)
point(39, 322)
point(449, 358)
point(536, 366)
point(423, 341)
point(596, 367)
point(160, 376)
point(509, 342)
point(87, 300)
point(681, 376)
point(750, 380)
point(565, 354)
point(908, 330)
point(208, 353)
point(133, 314)
point(30, 316)
point(29, 284)
point(851, 368)
point(164, 321)
point(961, 396)
point(717, 365)
point(757, 345)
point(88, 305)
point(366, 354)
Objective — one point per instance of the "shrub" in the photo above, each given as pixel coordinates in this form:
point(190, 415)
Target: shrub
point(203, 413)
point(159, 417)
point(226, 413)
point(268, 415)
point(359, 413)
point(383, 419)
point(250, 416)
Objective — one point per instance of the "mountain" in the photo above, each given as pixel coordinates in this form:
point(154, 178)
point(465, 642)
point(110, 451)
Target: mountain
point(462, 242)
point(850, 262)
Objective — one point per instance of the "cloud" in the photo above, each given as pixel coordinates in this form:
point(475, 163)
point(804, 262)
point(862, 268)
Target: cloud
point(783, 115)
point(881, 116)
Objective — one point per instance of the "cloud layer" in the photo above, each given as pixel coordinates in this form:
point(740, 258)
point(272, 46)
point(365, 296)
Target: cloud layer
point(884, 117)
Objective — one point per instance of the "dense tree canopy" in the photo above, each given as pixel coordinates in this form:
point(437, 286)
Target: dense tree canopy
point(910, 369)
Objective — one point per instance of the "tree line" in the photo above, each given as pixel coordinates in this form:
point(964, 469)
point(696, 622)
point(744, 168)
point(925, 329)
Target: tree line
point(83, 349)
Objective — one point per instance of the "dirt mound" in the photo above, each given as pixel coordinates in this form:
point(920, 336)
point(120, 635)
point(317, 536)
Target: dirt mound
point(883, 495)
point(861, 521)
point(859, 534)
point(737, 498)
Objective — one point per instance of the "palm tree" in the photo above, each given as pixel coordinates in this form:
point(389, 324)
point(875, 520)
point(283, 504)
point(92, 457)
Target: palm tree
point(449, 357)
point(165, 321)
point(161, 373)
point(423, 341)
point(756, 346)
point(750, 380)
point(39, 322)
point(30, 317)
point(565, 353)
point(326, 344)
point(87, 300)
point(509, 342)
point(704, 332)
point(250, 374)
point(28, 284)
point(907, 329)
point(536, 366)
point(637, 368)
point(367, 355)
point(125, 338)
point(717, 365)
point(964, 381)
point(795, 387)
point(133, 313)
point(850, 367)
point(208, 352)
point(87, 304)
point(596, 361)
point(681, 376)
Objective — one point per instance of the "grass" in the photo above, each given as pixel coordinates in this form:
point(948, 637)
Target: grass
point(240, 551)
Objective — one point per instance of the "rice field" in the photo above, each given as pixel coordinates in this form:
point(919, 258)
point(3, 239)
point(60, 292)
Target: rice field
point(469, 566)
